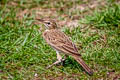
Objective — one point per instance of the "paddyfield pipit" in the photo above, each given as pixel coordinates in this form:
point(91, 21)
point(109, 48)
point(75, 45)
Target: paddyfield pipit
point(61, 43)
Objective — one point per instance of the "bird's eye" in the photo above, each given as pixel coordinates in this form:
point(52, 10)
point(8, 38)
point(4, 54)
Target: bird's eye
point(48, 23)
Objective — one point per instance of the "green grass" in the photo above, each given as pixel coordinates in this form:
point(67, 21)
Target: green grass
point(23, 52)
point(105, 18)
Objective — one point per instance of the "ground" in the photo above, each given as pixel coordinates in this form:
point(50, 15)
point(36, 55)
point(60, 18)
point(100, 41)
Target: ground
point(93, 25)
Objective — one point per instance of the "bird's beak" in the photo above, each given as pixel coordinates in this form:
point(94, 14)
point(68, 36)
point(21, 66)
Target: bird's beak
point(41, 20)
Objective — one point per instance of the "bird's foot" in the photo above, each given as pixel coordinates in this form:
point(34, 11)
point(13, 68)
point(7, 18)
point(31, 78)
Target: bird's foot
point(55, 63)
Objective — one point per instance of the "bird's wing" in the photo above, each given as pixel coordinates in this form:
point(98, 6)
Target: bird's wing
point(60, 42)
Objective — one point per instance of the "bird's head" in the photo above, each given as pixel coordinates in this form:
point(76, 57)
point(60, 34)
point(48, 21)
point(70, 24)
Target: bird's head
point(49, 24)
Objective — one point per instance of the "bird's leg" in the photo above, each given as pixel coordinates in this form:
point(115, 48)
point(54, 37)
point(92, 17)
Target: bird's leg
point(59, 60)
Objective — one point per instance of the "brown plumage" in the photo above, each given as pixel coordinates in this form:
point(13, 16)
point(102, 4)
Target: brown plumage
point(61, 43)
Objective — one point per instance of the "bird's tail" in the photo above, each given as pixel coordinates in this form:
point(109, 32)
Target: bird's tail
point(83, 64)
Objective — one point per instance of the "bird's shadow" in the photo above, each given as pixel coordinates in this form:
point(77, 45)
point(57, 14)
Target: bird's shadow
point(73, 64)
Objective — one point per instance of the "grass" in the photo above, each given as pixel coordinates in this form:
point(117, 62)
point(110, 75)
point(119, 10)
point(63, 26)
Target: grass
point(106, 18)
point(24, 53)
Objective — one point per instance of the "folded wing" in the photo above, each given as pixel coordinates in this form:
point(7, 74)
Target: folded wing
point(60, 42)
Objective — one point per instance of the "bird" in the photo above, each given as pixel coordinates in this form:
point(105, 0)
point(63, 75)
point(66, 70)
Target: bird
point(61, 43)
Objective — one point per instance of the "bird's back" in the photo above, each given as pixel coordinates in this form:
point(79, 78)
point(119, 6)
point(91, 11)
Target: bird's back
point(60, 41)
